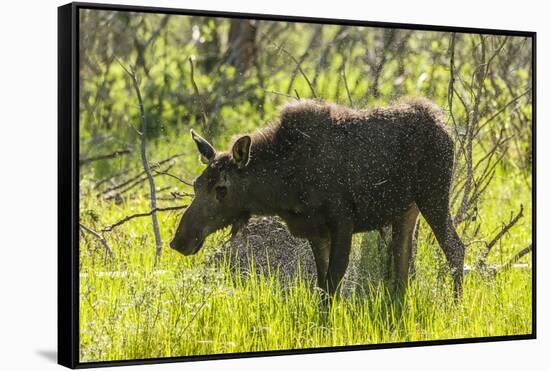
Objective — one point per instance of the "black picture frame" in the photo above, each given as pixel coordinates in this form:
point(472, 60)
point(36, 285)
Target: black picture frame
point(68, 184)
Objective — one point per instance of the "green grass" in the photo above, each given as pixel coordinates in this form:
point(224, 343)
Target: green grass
point(190, 310)
point(132, 307)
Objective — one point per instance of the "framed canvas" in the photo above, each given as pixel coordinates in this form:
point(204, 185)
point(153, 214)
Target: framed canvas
point(241, 185)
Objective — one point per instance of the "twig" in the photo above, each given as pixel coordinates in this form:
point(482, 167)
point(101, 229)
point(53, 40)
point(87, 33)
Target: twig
point(160, 190)
point(180, 194)
point(99, 237)
point(503, 231)
point(502, 109)
point(111, 177)
point(132, 180)
point(517, 257)
point(199, 97)
point(165, 172)
point(346, 84)
point(115, 154)
point(278, 93)
point(388, 40)
point(450, 89)
point(157, 31)
point(175, 196)
point(142, 47)
point(315, 39)
point(296, 61)
point(109, 228)
point(129, 187)
point(139, 175)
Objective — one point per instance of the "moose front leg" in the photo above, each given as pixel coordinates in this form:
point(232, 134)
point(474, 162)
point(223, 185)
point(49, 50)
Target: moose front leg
point(340, 246)
point(321, 251)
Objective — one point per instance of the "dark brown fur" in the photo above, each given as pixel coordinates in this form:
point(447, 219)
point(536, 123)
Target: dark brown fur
point(330, 171)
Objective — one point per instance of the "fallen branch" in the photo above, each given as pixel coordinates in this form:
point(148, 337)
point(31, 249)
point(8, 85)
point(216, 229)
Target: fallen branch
point(107, 156)
point(517, 257)
point(503, 231)
point(99, 237)
point(127, 218)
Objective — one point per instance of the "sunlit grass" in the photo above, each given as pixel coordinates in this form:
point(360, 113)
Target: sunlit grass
point(133, 307)
point(181, 308)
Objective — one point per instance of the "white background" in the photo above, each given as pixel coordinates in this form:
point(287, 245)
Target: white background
point(28, 148)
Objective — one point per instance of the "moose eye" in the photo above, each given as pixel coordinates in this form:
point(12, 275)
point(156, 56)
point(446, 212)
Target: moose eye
point(221, 192)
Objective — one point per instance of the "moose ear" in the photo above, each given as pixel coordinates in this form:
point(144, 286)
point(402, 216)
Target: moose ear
point(206, 150)
point(241, 151)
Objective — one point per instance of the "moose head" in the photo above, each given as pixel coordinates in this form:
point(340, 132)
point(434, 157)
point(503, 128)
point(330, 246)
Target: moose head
point(220, 191)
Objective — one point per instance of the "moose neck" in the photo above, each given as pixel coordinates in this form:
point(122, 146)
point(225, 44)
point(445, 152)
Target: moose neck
point(267, 188)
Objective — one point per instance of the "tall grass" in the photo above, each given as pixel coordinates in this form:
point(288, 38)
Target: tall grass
point(132, 307)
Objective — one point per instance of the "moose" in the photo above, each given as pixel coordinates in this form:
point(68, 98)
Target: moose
point(330, 171)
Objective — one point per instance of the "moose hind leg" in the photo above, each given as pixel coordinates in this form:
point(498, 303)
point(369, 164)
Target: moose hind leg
point(403, 232)
point(412, 265)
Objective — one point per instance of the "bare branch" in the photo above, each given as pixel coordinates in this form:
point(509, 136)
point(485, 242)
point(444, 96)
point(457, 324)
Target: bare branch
point(128, 187)
point(152, 165)
point(517, 257)
point(450, 90)
point(146, 167)
point(199, 97)
point(181, 194)
point(99, 237)
point(502, 109)
point(157, 31)
point(346, 84)
point(377, 68)
point(503, 231)
point(109, 228)
point(175, 195)
point(315, 39)
point(165, 172)
point(106, 156)
point(296, 61)
point(141, 47)
point(281, 94)
point(110, 178)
